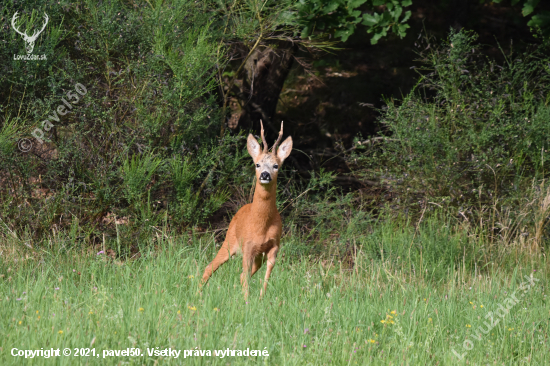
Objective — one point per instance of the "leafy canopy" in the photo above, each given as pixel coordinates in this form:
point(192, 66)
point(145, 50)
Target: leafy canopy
point(341, 18)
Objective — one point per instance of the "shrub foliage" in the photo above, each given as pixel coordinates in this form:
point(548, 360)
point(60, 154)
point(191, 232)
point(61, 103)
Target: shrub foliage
point(472, 131)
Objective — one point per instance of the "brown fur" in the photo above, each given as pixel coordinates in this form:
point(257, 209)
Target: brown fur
point(256, 228)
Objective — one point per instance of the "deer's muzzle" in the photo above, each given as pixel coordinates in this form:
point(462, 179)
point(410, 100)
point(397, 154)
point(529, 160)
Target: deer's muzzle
point(265, 177)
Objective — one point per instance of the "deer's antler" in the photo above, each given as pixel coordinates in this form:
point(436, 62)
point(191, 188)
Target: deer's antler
point(37, 33)
point(274, 150)
point(14, 27)
point(263, 137)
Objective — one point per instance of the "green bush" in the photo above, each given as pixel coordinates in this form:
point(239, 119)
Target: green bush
point(342, 17)
point(471, 132)
point(137, 173)
point(150, 112)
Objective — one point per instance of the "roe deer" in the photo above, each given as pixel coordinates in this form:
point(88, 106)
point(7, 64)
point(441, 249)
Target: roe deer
point(256, 228)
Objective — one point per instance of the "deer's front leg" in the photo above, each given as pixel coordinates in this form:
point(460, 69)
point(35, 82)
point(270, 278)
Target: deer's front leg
point(271, 257)
point(248, 259)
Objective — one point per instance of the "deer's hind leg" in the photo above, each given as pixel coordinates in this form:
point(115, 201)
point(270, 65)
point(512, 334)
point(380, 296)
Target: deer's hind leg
point(258, 261)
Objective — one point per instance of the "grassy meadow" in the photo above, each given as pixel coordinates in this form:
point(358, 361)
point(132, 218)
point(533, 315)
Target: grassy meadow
point(389, 309)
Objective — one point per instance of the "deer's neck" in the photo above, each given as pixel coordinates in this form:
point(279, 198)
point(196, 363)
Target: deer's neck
point(263, 204)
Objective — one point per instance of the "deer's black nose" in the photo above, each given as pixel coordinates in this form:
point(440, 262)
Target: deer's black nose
point(265, 176)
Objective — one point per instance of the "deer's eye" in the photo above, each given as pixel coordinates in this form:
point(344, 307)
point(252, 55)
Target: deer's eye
point(276, 166)
point(257, 165)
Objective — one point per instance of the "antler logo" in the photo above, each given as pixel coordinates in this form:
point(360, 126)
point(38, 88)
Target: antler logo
point(29, 40)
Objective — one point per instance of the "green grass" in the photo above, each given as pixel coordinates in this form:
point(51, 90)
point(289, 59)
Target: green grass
point(316, 312)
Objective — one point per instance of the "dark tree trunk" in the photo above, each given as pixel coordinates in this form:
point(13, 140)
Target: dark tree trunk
point(258, 93)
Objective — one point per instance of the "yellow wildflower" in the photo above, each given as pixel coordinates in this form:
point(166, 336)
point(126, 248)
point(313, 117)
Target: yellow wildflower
point(429, 319)
point(468, 325)
point(393, 312)
point(179, 312)
point(371, 341)
point(480, 306)
point(20, 322)
point(216, 309)
point(471, 303)
point(141, 309)
point(382, 321)
point(190, 276)
point(192, 308)
point(60, 332)
point(90, 313)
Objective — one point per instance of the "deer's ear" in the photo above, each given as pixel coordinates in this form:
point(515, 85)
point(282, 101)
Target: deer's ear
point(284, 150)
point(253, 147)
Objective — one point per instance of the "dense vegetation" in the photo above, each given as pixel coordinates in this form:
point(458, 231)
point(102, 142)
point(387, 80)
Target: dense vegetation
point(473, 137)
point(150, 87)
